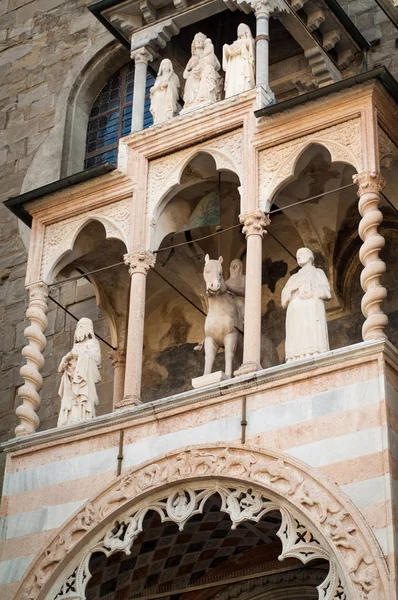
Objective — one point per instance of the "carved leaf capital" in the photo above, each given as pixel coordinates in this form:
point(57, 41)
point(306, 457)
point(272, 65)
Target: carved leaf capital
point(142, 55)
point(118, 357)
point(254, 223)
point(38, 291)
point(139, 262)
point(369, 182)
point(267, 7)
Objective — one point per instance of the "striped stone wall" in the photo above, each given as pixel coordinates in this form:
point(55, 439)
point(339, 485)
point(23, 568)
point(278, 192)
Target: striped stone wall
point(338, 414)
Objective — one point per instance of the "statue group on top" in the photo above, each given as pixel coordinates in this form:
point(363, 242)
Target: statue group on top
point(203, 82)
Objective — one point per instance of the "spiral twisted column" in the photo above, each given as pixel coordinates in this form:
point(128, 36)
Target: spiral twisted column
point(254, 228)
point(33, 352)
point(369, 185)
point(139, 264)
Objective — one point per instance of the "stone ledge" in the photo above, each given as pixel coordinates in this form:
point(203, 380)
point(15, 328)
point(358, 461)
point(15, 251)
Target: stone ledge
point(223, 388)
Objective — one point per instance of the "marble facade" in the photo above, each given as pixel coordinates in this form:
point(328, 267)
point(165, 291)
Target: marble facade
point(312, 441)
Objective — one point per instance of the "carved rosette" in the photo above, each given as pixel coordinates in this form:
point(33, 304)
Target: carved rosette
point(369, 185)
point(254, 223)
point(33, 352)
point(142, 55)
point(316, 520)
point(139, 262)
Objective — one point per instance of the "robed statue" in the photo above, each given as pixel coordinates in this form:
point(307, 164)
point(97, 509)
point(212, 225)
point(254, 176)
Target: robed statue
point(164, 93)
point(236, 284)
point(238, 63)
point(203, 81)
point(80, 373)
point(303, 295)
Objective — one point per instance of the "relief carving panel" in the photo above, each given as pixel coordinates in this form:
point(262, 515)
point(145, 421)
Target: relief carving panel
point(277, 164)
point(166, 172)
point(59, 237)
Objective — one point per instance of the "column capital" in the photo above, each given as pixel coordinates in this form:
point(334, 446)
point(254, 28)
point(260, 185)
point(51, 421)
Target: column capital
point(254, 223)
point(143, 55)
point(38, 290)
point(118, 357)
point(140, 262)
point(267, 7)
point(369, 182)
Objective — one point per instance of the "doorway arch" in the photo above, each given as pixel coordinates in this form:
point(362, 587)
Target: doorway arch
point(317, 519)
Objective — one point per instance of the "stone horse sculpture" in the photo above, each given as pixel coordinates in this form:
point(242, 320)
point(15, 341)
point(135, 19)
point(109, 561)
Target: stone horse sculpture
point(224, 324)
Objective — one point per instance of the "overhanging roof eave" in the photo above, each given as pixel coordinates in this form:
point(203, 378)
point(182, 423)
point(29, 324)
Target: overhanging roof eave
point(380, 73)
point(16, 204)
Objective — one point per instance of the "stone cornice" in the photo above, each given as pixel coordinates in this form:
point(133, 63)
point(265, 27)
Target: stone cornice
point(193, 127)
point(231, 387)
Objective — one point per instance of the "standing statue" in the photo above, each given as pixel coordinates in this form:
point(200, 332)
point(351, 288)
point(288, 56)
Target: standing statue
point(236, 284)
point(164, 93)
point(303, 295)
point(224, 322)
point(79, 375)
point(238, 63)
point(203, 82)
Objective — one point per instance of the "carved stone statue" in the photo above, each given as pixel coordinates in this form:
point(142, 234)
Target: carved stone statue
point(224, 321)
point(238, 63)
point(236, 284)
point(303, 295)
point(80, 373)
point(164, 93)
point(203, 82)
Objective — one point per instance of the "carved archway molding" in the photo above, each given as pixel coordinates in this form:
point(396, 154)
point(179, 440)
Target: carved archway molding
point(59, 237)
point(318, 521)
point(165, 173)
point(277, 164)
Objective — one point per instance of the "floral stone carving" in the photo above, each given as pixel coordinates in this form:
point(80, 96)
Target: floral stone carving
point(59, 237)
point(277, 163)
point(166, 172)
point(317, 520)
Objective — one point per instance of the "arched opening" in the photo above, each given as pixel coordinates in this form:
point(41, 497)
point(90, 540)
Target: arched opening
point(321, 225)
point(206, 560)
point(265, 495)
point(101, 296)
point(203, 200)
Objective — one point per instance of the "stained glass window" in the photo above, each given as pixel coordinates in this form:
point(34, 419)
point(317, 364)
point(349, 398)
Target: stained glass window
point(110, 116)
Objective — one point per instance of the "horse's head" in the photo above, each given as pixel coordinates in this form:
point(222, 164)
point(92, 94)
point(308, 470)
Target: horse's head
point(213, 276)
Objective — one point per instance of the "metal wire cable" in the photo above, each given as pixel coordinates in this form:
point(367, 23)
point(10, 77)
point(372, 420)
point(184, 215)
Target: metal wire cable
point(210, 235)
point(77, 319)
